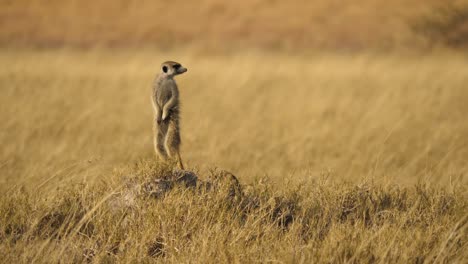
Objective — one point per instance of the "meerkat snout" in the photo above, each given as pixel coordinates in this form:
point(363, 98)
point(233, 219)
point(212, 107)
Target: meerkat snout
point(182, 70)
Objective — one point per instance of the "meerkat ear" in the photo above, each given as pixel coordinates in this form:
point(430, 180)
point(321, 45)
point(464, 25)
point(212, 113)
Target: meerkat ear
point(164, 68)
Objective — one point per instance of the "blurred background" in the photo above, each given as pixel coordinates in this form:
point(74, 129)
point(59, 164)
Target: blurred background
point(286, 89)
point(338, 25)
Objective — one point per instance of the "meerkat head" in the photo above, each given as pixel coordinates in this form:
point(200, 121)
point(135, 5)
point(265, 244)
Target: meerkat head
point(172, 68)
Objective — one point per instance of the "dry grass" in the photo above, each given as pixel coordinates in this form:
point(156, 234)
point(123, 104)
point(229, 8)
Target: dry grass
point(74, 123)
point(318, 221)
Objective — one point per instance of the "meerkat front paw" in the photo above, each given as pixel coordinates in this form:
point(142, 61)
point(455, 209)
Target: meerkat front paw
point(164, 116)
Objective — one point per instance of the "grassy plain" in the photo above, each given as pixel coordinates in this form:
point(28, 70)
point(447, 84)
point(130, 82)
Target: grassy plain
point(341, 158)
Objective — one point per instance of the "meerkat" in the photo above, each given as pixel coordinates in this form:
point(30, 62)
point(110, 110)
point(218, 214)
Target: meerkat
point(165, 100)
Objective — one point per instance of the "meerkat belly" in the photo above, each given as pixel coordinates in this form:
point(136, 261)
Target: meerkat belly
point(163, 95)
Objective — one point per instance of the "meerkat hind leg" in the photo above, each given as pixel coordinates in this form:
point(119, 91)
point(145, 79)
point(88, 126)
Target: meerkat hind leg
point(160, 131)
point(172, 143)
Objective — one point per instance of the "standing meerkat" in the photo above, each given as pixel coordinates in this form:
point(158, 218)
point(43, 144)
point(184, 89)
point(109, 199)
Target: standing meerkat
point(165, 99)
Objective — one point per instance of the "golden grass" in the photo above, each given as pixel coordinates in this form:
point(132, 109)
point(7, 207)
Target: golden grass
point(284, 116)
point(76, 126)
point(316, 221)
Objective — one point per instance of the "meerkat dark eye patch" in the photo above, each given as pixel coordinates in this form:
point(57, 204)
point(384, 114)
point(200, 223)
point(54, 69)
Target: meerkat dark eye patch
point(164, 68)
point(177, 66)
